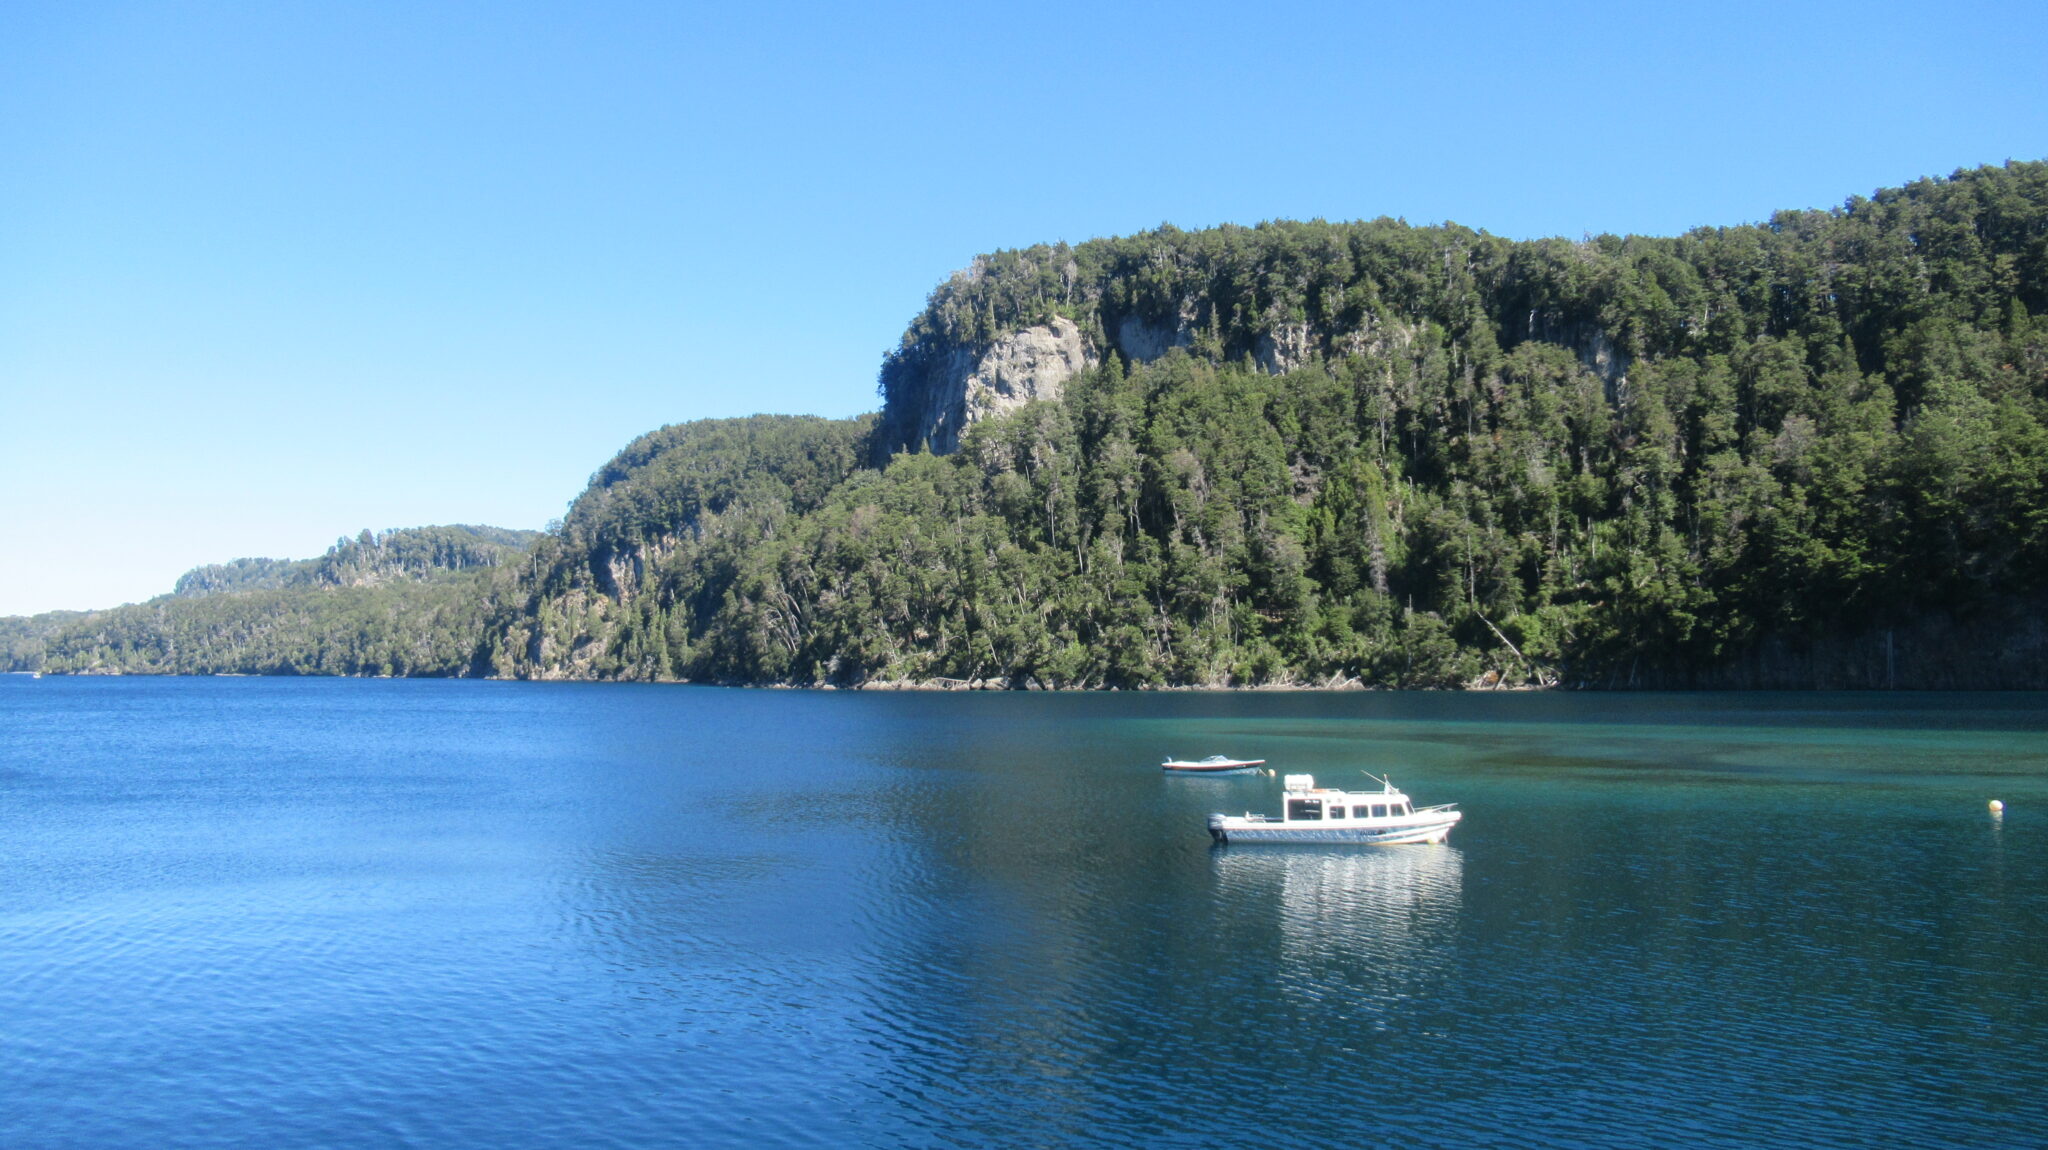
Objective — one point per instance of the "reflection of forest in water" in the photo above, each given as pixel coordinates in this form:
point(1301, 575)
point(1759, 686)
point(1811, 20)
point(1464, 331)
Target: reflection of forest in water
point(1377, 923)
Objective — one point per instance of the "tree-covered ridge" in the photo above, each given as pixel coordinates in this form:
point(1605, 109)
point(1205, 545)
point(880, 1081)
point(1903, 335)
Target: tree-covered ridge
point(1421, 455)
point(423, 628)
point(408, 601)
point(640, 568)
point(676, 480)
point(369, 557)
point(1883, 278)
point(417, 553)
point(23, 638)
point(249, 574)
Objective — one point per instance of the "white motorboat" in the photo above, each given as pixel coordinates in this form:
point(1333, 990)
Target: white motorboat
point(1213, 765)
point(1312, 814)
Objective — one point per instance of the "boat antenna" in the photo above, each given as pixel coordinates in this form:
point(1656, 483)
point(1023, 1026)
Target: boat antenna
point(1380, 779)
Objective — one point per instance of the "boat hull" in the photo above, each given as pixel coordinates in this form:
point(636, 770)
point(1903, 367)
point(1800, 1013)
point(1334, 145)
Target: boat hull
point(1213, 765)
point(1229, 829)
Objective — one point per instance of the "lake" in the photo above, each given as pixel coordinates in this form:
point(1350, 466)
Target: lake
point(357, 913)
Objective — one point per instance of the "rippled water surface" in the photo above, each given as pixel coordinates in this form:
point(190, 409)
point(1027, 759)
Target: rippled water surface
point(261, 913)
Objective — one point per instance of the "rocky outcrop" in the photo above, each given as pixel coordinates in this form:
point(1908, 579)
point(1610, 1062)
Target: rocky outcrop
point(1283, 348)
point(1144, 340)
point(1023, 366)
point(949, 389)
point(1589, 341)
point(935, 391)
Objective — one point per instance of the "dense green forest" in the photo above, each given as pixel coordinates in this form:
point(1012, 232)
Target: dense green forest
point(369, 559)
point(1808, 452)
point(407, 602)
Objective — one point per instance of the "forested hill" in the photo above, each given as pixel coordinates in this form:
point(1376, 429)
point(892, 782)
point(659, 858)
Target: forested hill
point(409, 601)
point(367, 559)
point(1810, 452)
point(1807, 452)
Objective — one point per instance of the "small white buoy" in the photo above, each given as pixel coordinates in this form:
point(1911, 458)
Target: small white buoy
point(1997, 808)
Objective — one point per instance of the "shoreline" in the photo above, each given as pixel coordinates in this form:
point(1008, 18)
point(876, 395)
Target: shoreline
point(946, 686)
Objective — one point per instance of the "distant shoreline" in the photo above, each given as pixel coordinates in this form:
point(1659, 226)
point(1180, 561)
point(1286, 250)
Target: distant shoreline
point(957, 686)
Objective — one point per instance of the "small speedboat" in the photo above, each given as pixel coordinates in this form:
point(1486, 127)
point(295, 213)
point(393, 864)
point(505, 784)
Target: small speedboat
point(1213, 765)
point(1312, 814)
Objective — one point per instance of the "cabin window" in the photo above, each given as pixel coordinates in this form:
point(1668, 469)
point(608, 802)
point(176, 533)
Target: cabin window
point(1379, 810)
point(1304, 809)
point(1402, 809)
point(1336, 810)
point(1360, 812)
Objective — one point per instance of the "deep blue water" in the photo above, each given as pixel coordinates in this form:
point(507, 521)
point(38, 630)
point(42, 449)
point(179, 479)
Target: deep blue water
point(341, 913)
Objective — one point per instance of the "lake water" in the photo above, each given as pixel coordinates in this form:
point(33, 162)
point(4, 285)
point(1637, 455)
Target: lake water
point(264, 913)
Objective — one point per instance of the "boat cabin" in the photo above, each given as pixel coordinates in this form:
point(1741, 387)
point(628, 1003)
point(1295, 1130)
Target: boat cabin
point(1308, 803)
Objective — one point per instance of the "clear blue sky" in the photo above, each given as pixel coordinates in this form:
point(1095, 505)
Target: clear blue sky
point(273, 273)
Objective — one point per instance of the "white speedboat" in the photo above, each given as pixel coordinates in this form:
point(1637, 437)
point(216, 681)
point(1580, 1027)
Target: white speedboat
point(1312, 814)
point(1213, 765)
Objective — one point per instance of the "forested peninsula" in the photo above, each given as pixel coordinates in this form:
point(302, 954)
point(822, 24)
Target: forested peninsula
point(411, 602)
point(1804, 453)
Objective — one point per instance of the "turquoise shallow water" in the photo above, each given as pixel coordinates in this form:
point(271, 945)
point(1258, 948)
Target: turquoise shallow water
point(249, 912)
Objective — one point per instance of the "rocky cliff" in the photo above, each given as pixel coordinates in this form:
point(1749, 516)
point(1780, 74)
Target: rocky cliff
point(948, 387)
point(1016, 326)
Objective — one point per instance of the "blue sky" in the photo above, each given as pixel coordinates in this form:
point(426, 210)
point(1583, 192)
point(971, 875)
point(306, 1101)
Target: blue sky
point(273, 273)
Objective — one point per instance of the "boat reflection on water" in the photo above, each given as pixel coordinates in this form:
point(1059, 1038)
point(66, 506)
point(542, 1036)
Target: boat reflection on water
point(1376, 924)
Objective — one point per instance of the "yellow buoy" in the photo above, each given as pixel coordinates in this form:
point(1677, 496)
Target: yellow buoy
point(1997, 808)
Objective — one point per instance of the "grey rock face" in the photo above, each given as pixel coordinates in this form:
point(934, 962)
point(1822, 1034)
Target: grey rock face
point(1143, 342)
point(1286, 347)
point(1026, 365)
point(1588, 341)
point(960, 387)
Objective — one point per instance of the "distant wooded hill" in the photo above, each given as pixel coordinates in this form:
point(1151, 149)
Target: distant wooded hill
point(1810, 452)
point(407, 602)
